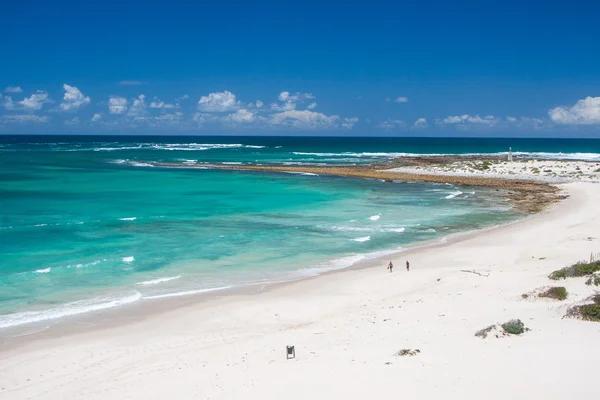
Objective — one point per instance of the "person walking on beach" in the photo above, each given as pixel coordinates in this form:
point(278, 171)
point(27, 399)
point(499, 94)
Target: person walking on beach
point(407, 265)
point(390, 266)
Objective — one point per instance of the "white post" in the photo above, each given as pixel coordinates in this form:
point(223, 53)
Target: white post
point(510, 154)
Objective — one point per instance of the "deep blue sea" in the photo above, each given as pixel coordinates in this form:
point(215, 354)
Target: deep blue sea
point(87, 223)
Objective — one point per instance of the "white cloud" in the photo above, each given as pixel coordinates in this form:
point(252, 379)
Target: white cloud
point(584, 112)
point(287, 106)
point(117, 105)
point(157, 103)
point(13, 89)
point(391, 124)
point(72, 122)
point(349, 122)
point(309, 120)
point(312, 105)
point(489, 120)
point(26, 118)
point(73, 98)
point(138, 107)
point(35, 101)
point(132, 83)
point(8, 103)
point(401, 99)
point(218, 102)
point(241, 116)
point(290, 101)
point(420, 123)
point(526, 122)
point(257, 104)
point(97, 117)
point(173, 117)
point(202, 118)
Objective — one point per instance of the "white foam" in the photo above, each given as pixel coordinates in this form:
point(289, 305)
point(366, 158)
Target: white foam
point(350, 229)
point(43, 271)
point(453, 195)
point(85, 265)
point(128, 259)
point(159, 280)
point(140, 164)
point(542, 155)
point(375, 217)
point(301, 173)
point(362, 239)
point(185, 293)
point(41, 225)
point(399, 230)
point(74, 308)
point(128, 219)
point(231, 163)
point(343, 262)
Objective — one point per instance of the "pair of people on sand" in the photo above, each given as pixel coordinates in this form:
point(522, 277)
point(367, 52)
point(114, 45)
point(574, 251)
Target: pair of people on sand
point(391, 266)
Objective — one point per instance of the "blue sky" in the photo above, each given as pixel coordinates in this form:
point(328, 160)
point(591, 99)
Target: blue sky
point(485, 68)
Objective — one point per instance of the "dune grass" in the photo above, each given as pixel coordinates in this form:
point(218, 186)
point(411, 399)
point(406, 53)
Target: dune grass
point(577, 270)
point(556, 292)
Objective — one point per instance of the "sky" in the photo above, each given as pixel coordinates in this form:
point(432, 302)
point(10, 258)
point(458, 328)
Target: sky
point(377, 68)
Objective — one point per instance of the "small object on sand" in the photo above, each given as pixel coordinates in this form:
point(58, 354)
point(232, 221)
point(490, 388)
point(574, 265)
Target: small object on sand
point(290, 352)
point(407, 352)
point(475, 272)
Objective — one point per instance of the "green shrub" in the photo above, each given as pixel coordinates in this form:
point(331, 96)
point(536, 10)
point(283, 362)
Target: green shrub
point(587, 312)
point(590, 312)
point(556, 292)
point(559, 274)
point(576, 270)
point(583, 269)
point(514, 327)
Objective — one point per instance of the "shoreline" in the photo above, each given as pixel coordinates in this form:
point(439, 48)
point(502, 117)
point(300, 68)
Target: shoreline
point(352, 322)
point(123, 315)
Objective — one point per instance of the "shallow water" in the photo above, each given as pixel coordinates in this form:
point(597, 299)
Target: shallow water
point(89, 226)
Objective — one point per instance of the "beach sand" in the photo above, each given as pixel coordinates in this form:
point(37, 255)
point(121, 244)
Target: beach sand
point(347, 326)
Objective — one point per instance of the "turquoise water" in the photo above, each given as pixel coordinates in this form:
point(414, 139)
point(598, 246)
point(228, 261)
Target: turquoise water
point(89, 225)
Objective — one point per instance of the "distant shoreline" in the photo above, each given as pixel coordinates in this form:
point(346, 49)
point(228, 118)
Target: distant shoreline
point(526, 195)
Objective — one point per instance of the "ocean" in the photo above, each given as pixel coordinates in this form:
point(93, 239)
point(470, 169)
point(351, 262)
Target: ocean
point(87, 223)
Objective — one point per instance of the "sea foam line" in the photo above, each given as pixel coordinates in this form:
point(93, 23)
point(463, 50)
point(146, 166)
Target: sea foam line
point(158, 280)
point(68, 309)
point(185, 293)
point(454, 194)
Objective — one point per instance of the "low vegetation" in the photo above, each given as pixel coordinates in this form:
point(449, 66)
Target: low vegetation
point(577, 270)
point(593, 280)
point(485, 332)
point(514, 327)
point(556, 292)
point(587, 312)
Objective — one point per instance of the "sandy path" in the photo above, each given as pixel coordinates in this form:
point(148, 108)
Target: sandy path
point(347, 326)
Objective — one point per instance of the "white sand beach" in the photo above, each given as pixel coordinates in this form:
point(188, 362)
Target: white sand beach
point(347, 326)
point(540, 170)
